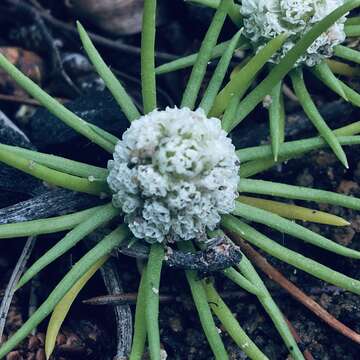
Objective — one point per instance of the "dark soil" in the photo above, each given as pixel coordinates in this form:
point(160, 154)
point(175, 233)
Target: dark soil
point(90, 331)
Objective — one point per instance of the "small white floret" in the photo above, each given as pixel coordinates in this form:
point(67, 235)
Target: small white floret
point(266, 19)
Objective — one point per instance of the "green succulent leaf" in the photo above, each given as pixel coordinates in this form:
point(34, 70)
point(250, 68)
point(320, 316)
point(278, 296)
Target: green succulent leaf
point(287, 63)
point(293, 258)
point(102, 216)
point(230, 323)
point(45, 226)
point(198, 71)
point(59, 163)
point(54, 177)
point(286, 226)
point(263, 187)
point(314, 115)
point(241, 81)
point(188, 61)
point(139, 338)
point(112, 83)
point(63, 307)
point(203, 309)
point(56, 108)
point(271, 308)
point(277, 119)
point(152, 289)
point(219, 75)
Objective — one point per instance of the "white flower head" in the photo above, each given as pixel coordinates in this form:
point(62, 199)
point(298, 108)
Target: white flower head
point(174, 173)
point(266, 19)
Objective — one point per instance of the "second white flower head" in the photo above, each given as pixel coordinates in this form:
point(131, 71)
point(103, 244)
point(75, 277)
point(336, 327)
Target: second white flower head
point(174, 173)
point(265, 19)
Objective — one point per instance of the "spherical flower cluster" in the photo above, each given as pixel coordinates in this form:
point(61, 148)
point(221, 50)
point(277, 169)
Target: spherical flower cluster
point(174, 173)
point(265, 19)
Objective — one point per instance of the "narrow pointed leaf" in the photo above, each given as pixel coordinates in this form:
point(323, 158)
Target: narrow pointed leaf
point(152, 290)
point(148, 79)
point(203, 309)
point(112, 83)
point(198, 72)
point(139, 338)
point(298, 193)
point(219, 75)
point(347, 53)
point(324, 72)
point(293, 258)
point(231, 325)
point(341, 68)
point(277, 119)
point(294, 212)
point(59, 163)
point(271, 308)
point(241, 81)
point(234, 10)
point(57, 109)
point(104, 247)
point(101, 217)
point(51, 176)
point(240, 280)
point(45, 226)
point(314, 115)
point(187, 61)
point(286, 226)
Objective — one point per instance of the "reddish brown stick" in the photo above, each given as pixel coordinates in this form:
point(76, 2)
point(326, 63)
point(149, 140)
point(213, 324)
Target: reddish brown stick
point(307, 353)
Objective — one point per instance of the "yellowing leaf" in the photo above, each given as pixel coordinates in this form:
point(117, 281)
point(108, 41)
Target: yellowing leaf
point(63, 307)
point(294, 212)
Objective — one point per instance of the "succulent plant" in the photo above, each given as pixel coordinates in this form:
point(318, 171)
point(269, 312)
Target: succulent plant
point(174, 176)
